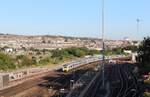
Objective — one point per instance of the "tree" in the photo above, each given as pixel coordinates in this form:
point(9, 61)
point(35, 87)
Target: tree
point(34, 60)
point(19, 57)
point(118, 51)
point(6, 62)
point(78, 52)
point(45, 61)
point(60, 54)
point(144, 52)
point(92, 52)
point(26, 61)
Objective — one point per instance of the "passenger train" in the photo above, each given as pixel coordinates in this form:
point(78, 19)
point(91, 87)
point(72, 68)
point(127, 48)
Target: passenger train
point(80, 62)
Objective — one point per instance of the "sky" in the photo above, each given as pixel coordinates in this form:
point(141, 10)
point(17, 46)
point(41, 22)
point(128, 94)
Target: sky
point(79, 18)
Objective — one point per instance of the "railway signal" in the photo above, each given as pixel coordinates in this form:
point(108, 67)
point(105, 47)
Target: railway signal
point(71, 84)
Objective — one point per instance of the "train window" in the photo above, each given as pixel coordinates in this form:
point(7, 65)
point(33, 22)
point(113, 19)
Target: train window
point(65, 66)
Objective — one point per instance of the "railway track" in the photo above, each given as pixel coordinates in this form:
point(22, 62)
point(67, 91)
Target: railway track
point(96, 84)
point(129, 84)
point(120, 81)
point(124, 82)
point(67, 84)
point(45, 81)
point(132, 90)
point(22, 87)
point(116, 79)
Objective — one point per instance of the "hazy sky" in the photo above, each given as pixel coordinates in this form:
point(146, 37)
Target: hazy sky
point(75, 17)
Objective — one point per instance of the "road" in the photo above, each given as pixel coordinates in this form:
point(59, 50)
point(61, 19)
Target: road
point(120, 81)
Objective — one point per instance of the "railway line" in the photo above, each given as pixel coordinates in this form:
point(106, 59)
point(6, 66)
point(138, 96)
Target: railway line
point(124, 82)
point(57, 80)
point(120, 81)
point(128, 83)
point(54, 79)
point(78, 75)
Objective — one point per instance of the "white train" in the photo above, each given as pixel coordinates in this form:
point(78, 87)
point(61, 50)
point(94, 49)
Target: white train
point(78, 63)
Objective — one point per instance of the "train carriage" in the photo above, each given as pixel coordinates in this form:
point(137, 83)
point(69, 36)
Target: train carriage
point(81, 62)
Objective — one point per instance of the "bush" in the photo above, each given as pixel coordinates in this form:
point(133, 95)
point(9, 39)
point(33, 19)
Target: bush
point(144, 52)
point(78, 52)
point(26, 61)
point(6, 62)
point(45, 61)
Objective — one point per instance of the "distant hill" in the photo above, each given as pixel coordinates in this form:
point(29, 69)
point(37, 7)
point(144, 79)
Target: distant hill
point(50, 36)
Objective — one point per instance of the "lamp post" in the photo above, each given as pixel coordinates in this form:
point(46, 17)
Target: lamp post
point(138, 21)
point(103, 44)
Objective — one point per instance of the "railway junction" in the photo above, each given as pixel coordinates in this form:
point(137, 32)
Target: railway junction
point(85, 81)
point(48, 85)
point(120, 81)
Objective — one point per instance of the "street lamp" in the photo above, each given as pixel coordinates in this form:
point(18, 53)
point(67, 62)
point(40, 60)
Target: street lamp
point(138, 21)
point(103, 44)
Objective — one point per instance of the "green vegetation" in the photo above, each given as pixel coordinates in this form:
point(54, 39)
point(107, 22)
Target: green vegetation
point(6, 62)
point(24, 61)
point(67, 54)
point(144, 52)
point(144, 55)
point(115, 51)
point(11, 62)
point(143, 60)
point(37, 57)
point(45, 61)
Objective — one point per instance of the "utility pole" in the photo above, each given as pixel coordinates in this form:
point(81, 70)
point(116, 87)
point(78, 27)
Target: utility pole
point(103, 44)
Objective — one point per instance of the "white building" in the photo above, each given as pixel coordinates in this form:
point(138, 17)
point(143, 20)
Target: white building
point(134, 55)
point(8, 50)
